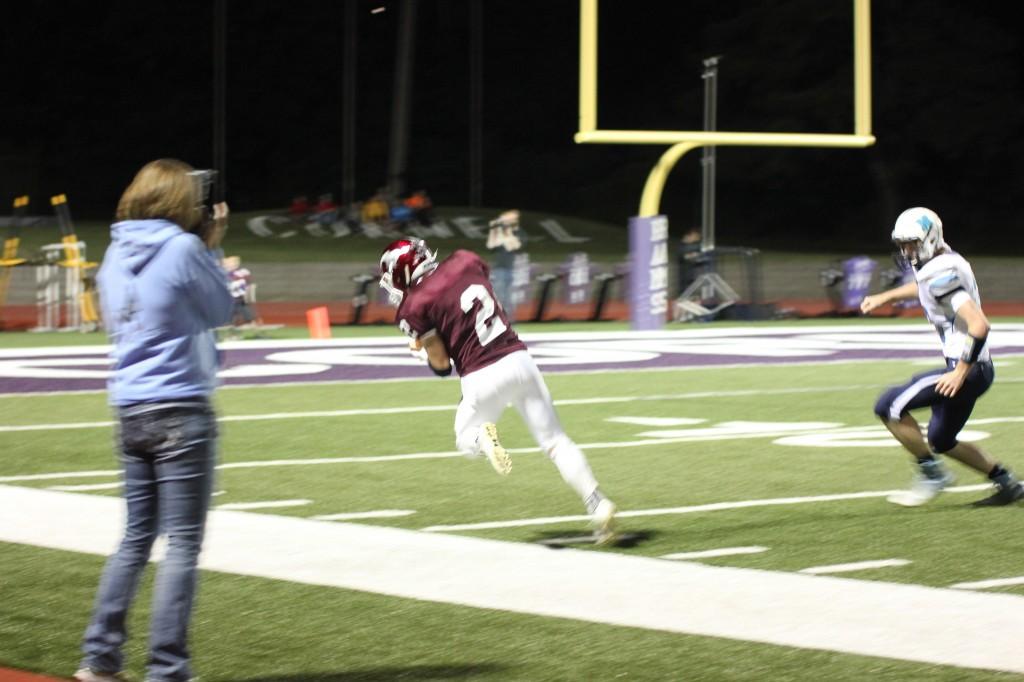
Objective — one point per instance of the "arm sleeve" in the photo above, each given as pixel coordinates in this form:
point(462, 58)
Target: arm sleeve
point(206, 285)
point(415, 323)
point(958, 298)
point(945, 284)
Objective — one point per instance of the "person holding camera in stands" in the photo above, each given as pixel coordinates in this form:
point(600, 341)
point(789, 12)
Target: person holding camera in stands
point(505, 239)
point(163, 293)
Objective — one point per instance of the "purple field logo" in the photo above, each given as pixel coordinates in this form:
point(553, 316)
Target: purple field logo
point(384, 358)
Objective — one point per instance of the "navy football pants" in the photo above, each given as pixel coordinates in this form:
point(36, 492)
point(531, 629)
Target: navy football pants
point(948, 414)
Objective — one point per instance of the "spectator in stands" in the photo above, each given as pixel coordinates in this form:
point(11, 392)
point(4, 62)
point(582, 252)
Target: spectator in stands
point(326, 211)
point(376, 209)
point(504, 239)
point(299, 210)
point(421, 206)
point(163, 293)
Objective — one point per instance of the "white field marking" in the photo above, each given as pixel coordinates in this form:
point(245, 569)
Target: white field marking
point(712, 553)
point(355, 516)
point(855, 566)
point(868, 618)
point(696, 435)
point(452, 407)
point(266, 504)
point(397, 340)
point(59, 475)
point(695, 509)
point(85, 487)
point(862, 437)
point(724, 434)
point(743, 428)
point(582, 372)
point(656, 421)
point(986, 584)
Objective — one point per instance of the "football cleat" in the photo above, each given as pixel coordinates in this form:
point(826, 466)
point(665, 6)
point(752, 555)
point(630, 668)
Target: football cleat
point(603, 520)
point(489, 444)
point(923, 490)
point(90, 675)
point(1003, 496)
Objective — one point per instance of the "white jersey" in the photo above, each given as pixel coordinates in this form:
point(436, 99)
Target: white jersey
point(944, 284)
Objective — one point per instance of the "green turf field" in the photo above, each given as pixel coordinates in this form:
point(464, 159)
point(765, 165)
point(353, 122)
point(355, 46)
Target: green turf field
point(255, 629)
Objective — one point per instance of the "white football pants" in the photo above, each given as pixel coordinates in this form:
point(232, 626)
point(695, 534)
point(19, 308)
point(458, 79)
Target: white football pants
point(515, 380)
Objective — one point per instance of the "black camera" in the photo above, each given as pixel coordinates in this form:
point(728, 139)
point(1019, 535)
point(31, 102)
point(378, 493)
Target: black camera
point(204, 180)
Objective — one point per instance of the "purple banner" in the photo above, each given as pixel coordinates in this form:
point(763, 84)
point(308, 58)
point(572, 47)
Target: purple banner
point(648, 290)
point(576, 269)
point(857, 273)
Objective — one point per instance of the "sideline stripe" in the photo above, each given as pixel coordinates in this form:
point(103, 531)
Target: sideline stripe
point(855, 566)
point(871, 618)
point(712, 553)
point(715, 506)
point(986, 584)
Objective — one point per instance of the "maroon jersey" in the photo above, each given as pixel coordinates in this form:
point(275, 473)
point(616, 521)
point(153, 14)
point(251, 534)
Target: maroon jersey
point(456, 302)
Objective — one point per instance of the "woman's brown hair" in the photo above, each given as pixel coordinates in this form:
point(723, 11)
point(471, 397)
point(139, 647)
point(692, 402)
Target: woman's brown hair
point(162, 189)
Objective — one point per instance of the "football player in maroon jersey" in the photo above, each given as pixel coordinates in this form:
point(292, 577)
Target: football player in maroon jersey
point(449, 312)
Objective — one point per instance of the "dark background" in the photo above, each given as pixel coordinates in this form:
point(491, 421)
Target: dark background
point(92, 90)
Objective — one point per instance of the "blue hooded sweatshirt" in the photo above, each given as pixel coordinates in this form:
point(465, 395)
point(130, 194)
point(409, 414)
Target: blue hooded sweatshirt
point(162, 294)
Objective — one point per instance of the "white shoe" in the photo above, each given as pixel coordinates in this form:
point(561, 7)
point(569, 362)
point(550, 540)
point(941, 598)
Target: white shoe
point(603, 520)
point(489, 444)
point(90, 675)
point(923, 490)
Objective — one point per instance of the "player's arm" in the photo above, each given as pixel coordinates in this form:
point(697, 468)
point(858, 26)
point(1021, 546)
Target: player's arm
point(437, 355)
point(972, 316)
point(908, 290)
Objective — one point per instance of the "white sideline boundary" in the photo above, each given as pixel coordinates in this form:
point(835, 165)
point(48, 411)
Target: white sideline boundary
point(905, 622)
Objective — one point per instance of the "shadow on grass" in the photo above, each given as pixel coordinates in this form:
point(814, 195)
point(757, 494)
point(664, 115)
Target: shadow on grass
point(413, 672)
point(556, 539)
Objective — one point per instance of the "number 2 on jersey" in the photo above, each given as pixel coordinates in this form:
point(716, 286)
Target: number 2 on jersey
point(488, 327)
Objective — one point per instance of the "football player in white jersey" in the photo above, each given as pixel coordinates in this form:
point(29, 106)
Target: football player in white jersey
point(945, 285)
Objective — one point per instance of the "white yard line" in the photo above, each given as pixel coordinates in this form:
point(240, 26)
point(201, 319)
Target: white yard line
point(266, 504)
point(855, 566)
point(869, 618)
point(356, 516)
point(715, 506)
point(85, 487)
point(712, 553)
point(451, 407)
point(986, 584)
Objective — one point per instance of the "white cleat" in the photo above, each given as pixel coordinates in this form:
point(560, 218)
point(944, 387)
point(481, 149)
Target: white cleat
point(603, 520)
point(90, 675)
point(490, 445)
point(922, 491)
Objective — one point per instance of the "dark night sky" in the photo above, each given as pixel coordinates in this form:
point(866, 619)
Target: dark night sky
point(95, 89)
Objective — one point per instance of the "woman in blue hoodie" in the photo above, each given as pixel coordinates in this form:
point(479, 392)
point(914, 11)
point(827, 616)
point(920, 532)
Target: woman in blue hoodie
point(162, 292)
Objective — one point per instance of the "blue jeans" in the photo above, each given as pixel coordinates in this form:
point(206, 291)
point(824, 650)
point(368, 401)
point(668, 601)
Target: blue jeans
point(168, 451)
point(501, 282)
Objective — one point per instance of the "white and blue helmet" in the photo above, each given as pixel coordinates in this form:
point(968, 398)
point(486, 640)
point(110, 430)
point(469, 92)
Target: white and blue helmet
point(921, 225)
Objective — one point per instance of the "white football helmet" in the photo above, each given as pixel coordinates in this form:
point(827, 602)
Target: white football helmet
point(923, 228)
